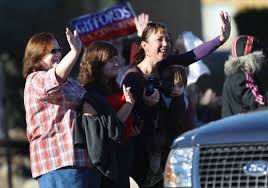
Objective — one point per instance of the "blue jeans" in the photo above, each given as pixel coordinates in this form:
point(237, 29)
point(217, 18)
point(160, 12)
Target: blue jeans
point(70, 177)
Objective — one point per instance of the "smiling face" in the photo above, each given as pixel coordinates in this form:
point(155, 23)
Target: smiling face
point(53, 57)
point(39, 54)
point(155, 42)
point(157, 46)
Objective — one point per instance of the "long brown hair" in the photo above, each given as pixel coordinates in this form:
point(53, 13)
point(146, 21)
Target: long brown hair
point(37, 47)
point(94, 58)
point(152, 27)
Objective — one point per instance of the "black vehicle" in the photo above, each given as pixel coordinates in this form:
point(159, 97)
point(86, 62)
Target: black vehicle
point(231, 152)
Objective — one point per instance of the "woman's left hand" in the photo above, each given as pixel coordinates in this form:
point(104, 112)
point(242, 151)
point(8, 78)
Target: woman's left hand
point(73, 40)
point(128, 96)
point(225, 26)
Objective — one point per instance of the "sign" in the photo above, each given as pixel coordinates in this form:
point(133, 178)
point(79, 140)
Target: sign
point(110, 23)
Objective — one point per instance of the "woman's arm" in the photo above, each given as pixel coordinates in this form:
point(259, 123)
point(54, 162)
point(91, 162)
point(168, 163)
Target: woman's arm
point(65, 66)
point(124, 112)
point(206, 48)
point(126, 109)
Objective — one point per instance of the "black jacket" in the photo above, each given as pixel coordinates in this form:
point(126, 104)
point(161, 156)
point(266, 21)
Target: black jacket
point(238, 94)
point(101, 135)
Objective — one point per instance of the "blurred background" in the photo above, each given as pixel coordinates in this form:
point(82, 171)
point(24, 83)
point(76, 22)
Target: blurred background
point(20, 19)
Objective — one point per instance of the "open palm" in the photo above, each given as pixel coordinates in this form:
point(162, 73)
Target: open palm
point(225, 26)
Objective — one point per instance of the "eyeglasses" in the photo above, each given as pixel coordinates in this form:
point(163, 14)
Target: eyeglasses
point(55, 50)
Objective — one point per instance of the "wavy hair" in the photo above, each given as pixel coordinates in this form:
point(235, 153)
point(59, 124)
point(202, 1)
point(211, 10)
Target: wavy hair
point(94, 58)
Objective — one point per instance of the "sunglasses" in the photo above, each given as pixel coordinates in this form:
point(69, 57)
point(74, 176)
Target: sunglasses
point(55, 50)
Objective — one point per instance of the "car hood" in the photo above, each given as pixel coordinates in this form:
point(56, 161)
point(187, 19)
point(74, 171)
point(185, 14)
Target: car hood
point(242, 128)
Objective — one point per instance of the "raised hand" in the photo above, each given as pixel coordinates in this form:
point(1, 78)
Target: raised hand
point(128, 96)
point(225, 26)
point(141, 22)
point(73, 40)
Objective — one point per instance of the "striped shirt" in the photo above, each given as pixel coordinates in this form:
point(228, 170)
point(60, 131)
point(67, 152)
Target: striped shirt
point(50, 107)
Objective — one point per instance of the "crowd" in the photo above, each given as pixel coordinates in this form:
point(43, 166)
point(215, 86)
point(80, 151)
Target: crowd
point(102, 128)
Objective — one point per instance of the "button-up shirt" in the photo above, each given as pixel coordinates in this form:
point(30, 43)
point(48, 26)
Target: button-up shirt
point(50, 109)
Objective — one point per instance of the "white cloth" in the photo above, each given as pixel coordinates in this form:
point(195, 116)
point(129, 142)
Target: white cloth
point(198, 68)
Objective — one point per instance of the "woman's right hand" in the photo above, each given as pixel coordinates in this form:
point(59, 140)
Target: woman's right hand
point(141, 22)
point(152, 99)
point(65, 66)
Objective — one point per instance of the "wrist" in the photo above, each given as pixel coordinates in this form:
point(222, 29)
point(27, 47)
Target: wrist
point(139, 34)
point(75, 51)
point(222, 39)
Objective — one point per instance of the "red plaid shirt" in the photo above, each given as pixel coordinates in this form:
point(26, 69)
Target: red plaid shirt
point(50, 108)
